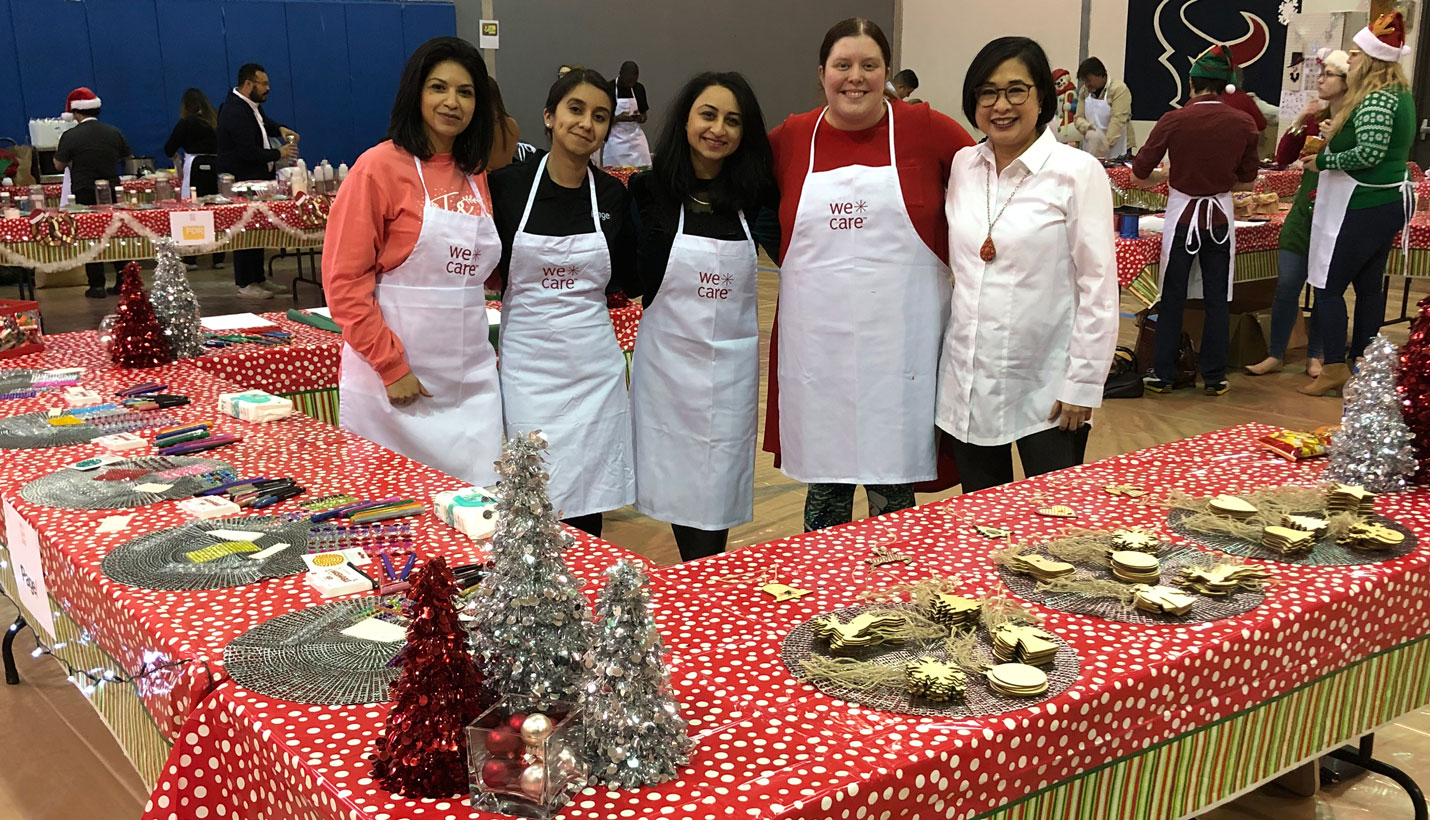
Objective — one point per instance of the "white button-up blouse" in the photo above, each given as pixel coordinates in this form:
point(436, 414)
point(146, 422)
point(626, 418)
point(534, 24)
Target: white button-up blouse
point(1038, 324)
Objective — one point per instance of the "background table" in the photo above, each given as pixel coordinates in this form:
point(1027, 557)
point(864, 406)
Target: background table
point(1163, 721)
point(1139, 260)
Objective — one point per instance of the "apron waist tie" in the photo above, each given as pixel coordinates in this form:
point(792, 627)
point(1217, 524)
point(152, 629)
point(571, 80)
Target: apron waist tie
point(1194, 231)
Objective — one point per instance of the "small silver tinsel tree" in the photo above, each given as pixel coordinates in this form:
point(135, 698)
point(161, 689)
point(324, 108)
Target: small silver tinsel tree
point(174, 303)
point(532, 624)
point(1373, 448)
point(635, 735)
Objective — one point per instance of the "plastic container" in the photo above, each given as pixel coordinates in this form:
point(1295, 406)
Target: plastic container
point(20, 331)
point(103, 196)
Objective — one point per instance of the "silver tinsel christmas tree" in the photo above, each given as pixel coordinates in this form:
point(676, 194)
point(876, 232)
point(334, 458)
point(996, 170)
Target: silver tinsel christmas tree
point(1373, 448)
point(174, 303)
point(635, 735)
point(532, 625)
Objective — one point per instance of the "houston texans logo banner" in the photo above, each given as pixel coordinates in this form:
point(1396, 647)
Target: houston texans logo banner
point(1165, 36)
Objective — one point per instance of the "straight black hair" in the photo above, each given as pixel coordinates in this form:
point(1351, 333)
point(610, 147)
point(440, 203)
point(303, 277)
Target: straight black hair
point(568, 81)
point(745, 173)
point(248, 71)
point(855, 27)
point(408, 130)
point(1091, 67)
point(906, 77)
point(1031, 55)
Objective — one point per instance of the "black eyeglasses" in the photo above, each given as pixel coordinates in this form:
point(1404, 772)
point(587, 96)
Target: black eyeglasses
point(1333, 74)
point(1016, 94)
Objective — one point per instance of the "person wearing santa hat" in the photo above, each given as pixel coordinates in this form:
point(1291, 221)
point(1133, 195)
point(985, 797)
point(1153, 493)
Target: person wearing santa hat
point(1212, 148)
point(1363, 196)
point(88, 152)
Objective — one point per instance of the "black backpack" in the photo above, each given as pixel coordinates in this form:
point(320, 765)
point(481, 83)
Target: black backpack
point(1124, 380)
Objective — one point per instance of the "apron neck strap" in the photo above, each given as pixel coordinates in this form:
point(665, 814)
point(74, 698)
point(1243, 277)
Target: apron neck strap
point(887, 107)
point(680, 224)
point(427, 198)
point(536, 183)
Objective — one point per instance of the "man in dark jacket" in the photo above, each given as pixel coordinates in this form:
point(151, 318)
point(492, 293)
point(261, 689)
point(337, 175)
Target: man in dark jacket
point(244, 131)
point(90, 151)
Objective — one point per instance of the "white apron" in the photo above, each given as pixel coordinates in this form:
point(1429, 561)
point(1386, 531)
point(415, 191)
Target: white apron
point(562, 370)
point(863, 302)
point(1333, 197)
point(66, 190)
point(1199, 230)
point(435, 303)
point(186, 182)
point(695, 383)
point(1099, 113)
point(626, 145)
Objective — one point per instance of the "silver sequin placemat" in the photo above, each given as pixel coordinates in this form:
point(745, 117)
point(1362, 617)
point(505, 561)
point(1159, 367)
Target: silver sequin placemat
point(160, 560)
point(304, 657)
point(979, 699)
point(1326, 553)
point(1206, 609)
point(32, 431)
point(87, 490)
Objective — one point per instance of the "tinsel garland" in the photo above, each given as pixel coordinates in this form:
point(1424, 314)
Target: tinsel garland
point(175, 304)
point(138, 339)
point(1373, 447)
point(1414, 386)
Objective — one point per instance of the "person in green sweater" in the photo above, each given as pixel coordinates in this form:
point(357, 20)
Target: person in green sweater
point(1360, 196)
point(1296, 230)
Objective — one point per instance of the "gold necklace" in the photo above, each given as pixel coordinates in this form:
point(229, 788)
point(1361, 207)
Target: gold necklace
point(988, 251)
point(699, 200)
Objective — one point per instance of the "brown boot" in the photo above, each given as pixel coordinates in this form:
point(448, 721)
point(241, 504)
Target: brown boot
point(1333, 377)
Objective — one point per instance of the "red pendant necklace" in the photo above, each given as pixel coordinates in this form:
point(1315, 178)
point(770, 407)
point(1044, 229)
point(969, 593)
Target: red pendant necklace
point(988, 249)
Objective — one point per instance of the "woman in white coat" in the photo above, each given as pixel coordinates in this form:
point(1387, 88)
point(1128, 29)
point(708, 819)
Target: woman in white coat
point(566, 234)
point(410, 243)
point(1034, 314)
point(696, 372)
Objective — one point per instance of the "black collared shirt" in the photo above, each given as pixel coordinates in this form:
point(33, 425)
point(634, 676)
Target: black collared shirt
point(90, 151)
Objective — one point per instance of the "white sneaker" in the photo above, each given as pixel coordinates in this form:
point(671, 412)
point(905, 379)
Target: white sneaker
point(272, 287)
point(254, 291)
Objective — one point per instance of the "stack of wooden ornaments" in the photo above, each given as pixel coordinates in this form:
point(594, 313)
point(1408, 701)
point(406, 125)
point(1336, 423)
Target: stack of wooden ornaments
point(1163, 600)
point(935, 680)
point(953, 611)
point(1223, 579)
point(864, 629)
point(1016, 680)
point(1372, 537)
point(1025, 644)
point(1351, 498)
point(1044, 569)
point(1135, 567)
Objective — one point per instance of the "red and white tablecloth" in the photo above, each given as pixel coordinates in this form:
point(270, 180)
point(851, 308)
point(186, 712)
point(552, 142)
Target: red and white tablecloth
point(309, 362)
point(281, 214)
point(769, 746)
point(137, 626)
point(1134, 255)
point(53, 190)
point(625, 320)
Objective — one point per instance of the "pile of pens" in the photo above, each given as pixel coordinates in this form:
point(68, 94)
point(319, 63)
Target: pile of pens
point(268, 338)
point(190, 438)
point(256, 492)
point(368, 512)
point(155, 401)
point(396, 567)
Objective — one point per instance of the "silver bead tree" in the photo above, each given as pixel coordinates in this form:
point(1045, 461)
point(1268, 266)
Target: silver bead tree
point(1373, 448)
point(635, 735)
point(531, 627)
point(175, 305)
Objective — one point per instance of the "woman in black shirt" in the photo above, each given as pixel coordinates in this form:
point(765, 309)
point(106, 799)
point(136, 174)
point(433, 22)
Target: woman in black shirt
point(195, 133)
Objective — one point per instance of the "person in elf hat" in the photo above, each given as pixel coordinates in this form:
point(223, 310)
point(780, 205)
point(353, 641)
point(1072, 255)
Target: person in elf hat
point(1063, 124)
point(1363, 196)
point(1212, 148)
point(88, 152)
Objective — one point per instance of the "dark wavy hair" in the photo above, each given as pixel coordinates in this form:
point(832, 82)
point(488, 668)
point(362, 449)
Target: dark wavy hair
point(1033, 58)
point(408, 130)
point(745, 174)
point(568, 81)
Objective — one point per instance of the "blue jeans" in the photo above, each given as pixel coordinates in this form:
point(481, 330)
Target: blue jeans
point(1290, 279)
point(1358, 261)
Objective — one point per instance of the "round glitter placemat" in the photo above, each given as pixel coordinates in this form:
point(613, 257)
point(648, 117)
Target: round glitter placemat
point(164, 560)
point(33, 431)
point(304, 657)
point(1326, 552)
point(979, 699)
point(69, 489)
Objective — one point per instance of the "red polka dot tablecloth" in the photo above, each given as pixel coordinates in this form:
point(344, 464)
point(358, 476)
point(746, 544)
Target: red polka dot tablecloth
point(1121, 177)
point(1282, 183)
point(769, 746)
point(310, 362)
point(137, 626)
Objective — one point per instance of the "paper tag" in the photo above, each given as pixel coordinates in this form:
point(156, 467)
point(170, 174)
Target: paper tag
point(94, 463)
point(273, 550)
point(191, 227)
point(114, 523)
point(235, 321)
point(218, 551)
point(334, 558)
point(24, 544)
point(235, 535)
point(152, 488)
point(375, 629)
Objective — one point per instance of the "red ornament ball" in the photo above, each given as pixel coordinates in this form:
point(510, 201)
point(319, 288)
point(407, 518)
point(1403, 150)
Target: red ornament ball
point(503, 743)
point(516, 720)
point(500, 774)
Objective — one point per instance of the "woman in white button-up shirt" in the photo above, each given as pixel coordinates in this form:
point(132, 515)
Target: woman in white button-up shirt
point(1034, 314)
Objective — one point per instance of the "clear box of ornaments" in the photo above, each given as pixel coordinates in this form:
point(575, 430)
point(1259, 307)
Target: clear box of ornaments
point(525, 760)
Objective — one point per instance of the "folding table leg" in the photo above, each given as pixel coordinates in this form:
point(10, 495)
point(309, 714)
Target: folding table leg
point(7, 650)
point(1364, 757)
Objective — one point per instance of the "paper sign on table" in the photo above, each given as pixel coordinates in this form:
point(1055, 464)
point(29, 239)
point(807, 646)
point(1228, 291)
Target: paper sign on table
point(24, 545)
point(235, 535)
point(234, 321)
point(191, 227)
point(375, 629)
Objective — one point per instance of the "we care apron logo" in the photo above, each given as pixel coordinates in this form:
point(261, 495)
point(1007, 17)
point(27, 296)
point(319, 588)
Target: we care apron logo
point(560, 277)
point(463, 260)
point(714, 286)
point(843, 215)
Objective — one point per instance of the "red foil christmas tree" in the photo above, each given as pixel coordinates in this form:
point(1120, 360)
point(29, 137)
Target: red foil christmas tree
point(1414, 386)
point(138, 338)
point(422, 751)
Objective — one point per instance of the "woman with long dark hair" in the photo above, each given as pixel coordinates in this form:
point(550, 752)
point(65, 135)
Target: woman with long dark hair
point(410, 242)
point(566, 234)
point(696, 372)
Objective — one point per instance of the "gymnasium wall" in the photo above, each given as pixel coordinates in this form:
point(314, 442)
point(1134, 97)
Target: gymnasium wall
point(334, 64)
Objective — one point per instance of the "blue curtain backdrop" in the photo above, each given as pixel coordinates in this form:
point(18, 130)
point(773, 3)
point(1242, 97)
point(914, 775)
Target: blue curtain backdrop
point(334, 64)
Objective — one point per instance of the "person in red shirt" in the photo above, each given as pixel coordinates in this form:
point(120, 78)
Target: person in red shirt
point(864, 284)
